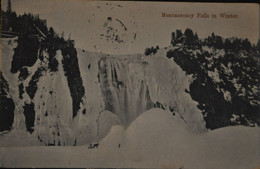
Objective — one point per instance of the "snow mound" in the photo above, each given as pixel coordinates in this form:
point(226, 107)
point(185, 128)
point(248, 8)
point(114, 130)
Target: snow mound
point(96, 128)
point(156, 124)
point(105, 121)
point(25, 139)
point(114, 138)
point(157, 139)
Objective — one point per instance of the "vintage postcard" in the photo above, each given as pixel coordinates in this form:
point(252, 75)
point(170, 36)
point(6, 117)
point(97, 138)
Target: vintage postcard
point(129, 84)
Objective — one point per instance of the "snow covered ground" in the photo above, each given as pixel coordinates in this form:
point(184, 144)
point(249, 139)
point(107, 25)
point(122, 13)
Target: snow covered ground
point(156, 139)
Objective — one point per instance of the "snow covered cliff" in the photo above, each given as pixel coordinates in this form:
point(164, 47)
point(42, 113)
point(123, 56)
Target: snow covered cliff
point(117, 89)
point(134, 84)
point(68, 96)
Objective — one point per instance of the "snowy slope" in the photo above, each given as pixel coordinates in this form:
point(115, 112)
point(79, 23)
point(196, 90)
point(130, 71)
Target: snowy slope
point(155, 139)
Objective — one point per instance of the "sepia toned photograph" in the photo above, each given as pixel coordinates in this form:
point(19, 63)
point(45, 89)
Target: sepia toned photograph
point(129, 84)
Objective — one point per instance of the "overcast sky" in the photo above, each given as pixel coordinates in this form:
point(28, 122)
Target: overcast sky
point(137, 24)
